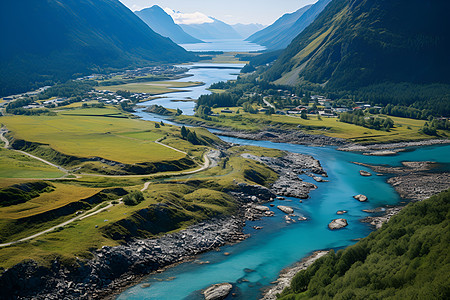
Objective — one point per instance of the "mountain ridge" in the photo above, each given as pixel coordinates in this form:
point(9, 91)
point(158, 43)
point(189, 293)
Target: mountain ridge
point(211, 31)
point(54, 41)
point(162, 23)
point(357, 43)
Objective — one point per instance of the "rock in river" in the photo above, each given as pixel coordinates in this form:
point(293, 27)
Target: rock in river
point(365, 173)
point(360, 198)
point(262, 208)
point(337, 224)
point(218, 291)
point(286, 209)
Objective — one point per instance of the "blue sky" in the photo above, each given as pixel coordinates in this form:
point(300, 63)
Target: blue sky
point(230, 11)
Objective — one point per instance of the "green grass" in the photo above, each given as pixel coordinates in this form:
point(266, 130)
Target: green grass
point(151, 87)
point(327, 126)
point(124, 140)
point(62, 195)
point(17, 165)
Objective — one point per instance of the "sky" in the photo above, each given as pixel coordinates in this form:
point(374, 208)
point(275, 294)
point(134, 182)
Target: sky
point(230, 11)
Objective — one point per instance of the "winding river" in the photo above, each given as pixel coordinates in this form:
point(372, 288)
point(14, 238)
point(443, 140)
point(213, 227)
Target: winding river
point(254, 263)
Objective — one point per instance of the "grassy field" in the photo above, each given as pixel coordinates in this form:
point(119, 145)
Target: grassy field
point(226, 58)
point(62, 195)
point(404, 130)
point(82, 134)
point(16, 165)
point(151, 87)
point(191, 199)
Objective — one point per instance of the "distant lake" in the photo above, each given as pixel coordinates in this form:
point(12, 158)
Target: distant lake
point(224, 45)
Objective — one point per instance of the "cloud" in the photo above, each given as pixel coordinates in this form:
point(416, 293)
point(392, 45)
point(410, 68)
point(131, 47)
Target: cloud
point(188, 18)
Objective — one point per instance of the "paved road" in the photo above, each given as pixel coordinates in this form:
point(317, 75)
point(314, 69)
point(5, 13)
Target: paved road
point(269, 104)
point(6, 141)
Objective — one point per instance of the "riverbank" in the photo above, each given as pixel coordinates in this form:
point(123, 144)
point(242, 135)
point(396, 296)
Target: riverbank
point(288, 136)
point(391, 148)
point(413, 181)
point(286, 275)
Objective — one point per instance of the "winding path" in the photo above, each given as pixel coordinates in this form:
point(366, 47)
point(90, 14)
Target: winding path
point(208, 162)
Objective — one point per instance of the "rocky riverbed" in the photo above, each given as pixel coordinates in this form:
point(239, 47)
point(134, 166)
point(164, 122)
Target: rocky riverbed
point(288, 168)
point(415, 181)
point(392, 148)
point(288, 136)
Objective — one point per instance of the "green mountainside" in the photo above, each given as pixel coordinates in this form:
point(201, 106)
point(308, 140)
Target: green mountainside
point(266, 36)
point(356, 44)
point(407, 258)
point(49, 40)
point(280, 34)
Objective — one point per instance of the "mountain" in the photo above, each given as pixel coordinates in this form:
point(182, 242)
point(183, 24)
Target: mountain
point(359, 43)
point(162, 23)
point(280, 34)
point(246, 30)
point(216, 30)
point(264, 36)
point(44, 41)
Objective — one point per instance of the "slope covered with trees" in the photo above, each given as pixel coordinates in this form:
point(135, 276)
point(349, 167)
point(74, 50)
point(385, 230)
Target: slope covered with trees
point(280, 34)
point(407, 258)
point(44, 41)
point(394, 47)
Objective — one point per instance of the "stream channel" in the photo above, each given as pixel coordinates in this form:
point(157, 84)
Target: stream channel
point(254, 263)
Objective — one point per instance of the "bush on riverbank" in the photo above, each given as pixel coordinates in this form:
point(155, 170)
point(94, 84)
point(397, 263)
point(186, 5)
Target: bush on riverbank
point(407, 258)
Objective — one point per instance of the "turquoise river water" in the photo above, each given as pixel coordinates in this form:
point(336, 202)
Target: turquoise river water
point(279, 245)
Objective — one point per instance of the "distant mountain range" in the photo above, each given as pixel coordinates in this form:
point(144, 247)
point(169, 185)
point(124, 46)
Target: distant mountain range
point(281, 33)
point(49, 40)
point(162, 23)
point(211, 31)
point(357, 43)
point(246, 30)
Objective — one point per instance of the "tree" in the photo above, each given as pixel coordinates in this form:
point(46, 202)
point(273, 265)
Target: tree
point(303, 115)
point(162, 123)
point(184, 132)
point(157, 125)
point(179, 112)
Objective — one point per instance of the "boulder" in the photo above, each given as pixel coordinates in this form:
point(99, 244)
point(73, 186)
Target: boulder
point(341, 212)
point(218, 291)
point(337, 224)
point(262, 208)
point(286, 209)
point(360, 198)
point(365, 173)
point(319, 179)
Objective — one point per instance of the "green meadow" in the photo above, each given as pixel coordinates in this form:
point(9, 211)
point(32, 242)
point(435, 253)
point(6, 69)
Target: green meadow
point(151, 87)
point(84, 133)
point(404, 130)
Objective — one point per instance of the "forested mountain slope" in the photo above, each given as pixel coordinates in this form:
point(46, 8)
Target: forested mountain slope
point(49, 40)
point(356, 44)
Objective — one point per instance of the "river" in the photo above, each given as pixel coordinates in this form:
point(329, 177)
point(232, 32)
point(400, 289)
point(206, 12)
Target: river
point(257, 261)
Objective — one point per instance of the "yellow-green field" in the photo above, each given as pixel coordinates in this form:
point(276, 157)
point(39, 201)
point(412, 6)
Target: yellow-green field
point(17, 165)
point(62, 195)
point(151, 87)
point(118, 139)
point(404, 130)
